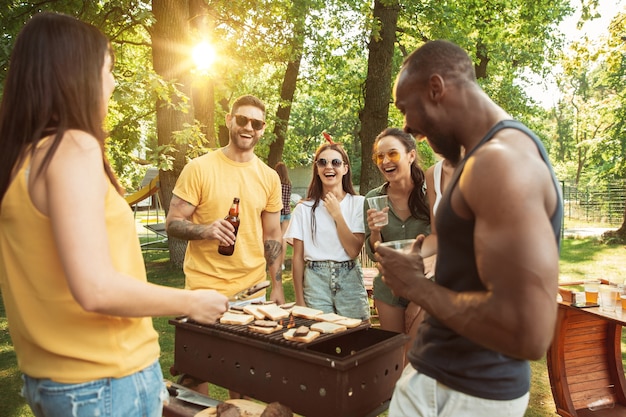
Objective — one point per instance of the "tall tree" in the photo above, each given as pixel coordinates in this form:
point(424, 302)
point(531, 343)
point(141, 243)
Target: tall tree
point(375, 114)
point(299, 13)
point(203, 98)
point(171, 62)
point(616, 69)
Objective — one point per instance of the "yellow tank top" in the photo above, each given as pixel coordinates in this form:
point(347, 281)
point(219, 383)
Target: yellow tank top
point(53, 336)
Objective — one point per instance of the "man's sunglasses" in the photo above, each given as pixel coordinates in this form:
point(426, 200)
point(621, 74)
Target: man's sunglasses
point(242, 121)
point(322, 162)
point(393, 156)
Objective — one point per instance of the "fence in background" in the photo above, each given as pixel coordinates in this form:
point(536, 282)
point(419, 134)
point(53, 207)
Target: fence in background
point(602, 204)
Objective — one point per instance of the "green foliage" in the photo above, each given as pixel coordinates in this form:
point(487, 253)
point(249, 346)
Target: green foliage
point(589, 137)
point(192, 135)
point(505, 38)
point(508, 39)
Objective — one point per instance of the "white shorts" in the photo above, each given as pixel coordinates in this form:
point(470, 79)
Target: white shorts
point(418, 395)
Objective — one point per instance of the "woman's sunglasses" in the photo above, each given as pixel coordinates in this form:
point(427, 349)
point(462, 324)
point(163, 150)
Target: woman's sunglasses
point(393, 156)
point(322, 162)
point(242, 121)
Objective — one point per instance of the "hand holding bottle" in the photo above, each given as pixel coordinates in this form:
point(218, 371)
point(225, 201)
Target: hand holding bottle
point(233, 219)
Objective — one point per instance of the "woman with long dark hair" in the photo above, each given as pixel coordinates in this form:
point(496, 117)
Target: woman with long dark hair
point(327, 232)
point(73, 278)
point(395, 154)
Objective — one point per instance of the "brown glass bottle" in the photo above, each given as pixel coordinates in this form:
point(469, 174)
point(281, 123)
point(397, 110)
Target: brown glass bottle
point(232, 218)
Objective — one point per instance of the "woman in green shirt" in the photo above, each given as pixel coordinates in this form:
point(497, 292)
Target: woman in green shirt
point(395, 154)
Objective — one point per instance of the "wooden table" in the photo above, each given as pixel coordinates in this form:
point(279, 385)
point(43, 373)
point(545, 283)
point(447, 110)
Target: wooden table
point(585, 361)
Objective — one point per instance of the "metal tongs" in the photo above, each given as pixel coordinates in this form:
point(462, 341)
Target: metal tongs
point(250, 292)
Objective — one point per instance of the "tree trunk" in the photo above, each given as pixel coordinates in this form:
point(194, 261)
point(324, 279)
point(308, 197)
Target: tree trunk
point(375, 114)
point(203, 98)
point(204, 109)
point(288, 88)
point(616, 236)
point(483, 60)
point(283, 112)
point(168, 33)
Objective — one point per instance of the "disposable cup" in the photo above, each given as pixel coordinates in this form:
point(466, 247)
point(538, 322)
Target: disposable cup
point(379, 203)
point(401, 245)
point(592, 287)
point(608, 297)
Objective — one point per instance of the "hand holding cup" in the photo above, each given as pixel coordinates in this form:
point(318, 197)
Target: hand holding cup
point(401, 265)
point(381, 205)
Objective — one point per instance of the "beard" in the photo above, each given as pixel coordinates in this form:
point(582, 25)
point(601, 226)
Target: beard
point(446, 147)
point(243, 144)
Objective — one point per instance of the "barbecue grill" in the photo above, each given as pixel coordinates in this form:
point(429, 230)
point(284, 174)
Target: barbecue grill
point(348, 374)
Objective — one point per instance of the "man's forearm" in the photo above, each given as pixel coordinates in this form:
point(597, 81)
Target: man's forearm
point(185, 230)
point(273, 251)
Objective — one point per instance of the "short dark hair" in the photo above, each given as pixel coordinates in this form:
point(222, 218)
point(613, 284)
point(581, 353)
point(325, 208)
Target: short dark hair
point(441, 57)
point(248, 100)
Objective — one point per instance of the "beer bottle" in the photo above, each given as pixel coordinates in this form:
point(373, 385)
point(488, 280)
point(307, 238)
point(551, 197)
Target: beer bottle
point(232, 218)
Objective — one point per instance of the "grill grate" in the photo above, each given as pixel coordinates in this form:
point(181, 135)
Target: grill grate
point(277, 337)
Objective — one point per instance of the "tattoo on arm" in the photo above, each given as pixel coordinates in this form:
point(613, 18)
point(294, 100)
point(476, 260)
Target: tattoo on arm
point(184, 229)
point(273, 250)
point(279, 276)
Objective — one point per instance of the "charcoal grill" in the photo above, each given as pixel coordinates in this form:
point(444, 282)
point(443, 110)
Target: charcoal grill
point(348, 374)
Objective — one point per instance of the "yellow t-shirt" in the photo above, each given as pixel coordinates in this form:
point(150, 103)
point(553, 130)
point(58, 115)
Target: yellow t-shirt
point(52, 335)
point(210, 183)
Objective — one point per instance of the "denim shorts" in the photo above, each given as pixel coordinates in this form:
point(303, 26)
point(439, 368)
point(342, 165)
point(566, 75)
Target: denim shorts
point(336, 287)
point(140, 394)
point(285, 217)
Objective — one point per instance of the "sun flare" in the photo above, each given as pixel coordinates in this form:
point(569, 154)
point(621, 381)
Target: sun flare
point(203, 55)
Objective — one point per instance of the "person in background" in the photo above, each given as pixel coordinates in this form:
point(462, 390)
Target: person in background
point(437, 178)
point(395, 154)
point(498, 231)
point(71, 270)
point(285, 213)
point(327, 232)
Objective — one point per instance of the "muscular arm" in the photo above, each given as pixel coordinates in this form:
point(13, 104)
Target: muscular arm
point(509, 192)
point(272, 244)
point(179, 225)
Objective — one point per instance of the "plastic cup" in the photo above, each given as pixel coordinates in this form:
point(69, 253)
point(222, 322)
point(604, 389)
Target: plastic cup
point(608, 294)
point(379, 203)
point(401, 245)
point(592, 287)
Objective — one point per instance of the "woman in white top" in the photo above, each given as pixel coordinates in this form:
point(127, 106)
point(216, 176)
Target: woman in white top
point(328, 233)
point(437, 178)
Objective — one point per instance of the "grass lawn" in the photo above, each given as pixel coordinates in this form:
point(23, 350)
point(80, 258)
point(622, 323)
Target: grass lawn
point(580, 258)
